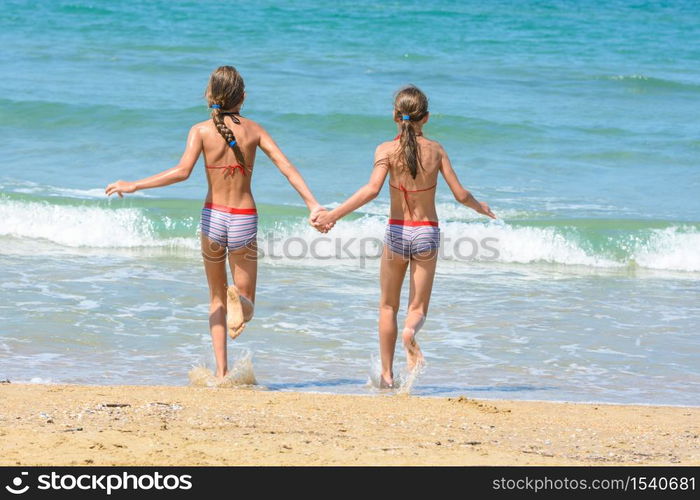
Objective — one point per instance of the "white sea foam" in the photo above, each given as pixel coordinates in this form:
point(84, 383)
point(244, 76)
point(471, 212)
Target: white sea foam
point(82, 226)
point(29, 187)
point(34, 380)
point(670, 249)
point(352, 242)
point(362, 239)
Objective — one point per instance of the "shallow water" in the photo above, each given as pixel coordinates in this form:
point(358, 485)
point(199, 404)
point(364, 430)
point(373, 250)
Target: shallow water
point(575, 121)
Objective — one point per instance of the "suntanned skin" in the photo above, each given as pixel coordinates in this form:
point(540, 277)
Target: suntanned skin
point(232, 190)
point(393, 267)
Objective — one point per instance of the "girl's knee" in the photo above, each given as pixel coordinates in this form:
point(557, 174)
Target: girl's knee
point(414, 320)
point(388, 308)
point(418, 310)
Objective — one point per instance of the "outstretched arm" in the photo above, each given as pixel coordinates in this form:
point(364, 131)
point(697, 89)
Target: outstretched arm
point(364, 195)
point(270, 148)
point(178, 173)
point(460, 193)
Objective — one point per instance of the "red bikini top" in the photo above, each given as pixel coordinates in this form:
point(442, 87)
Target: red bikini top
point(230, 169)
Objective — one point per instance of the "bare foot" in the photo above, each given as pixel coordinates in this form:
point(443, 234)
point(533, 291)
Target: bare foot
point(386, 384)
point(235, 322)
point(414, 356)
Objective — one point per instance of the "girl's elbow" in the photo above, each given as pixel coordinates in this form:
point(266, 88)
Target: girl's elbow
point(462, 197)
point(291, 174)
point(287, 169)
point(183, 174)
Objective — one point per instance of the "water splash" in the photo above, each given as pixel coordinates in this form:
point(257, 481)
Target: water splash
point(403, 381)
point(409, 378)
point(241, 374)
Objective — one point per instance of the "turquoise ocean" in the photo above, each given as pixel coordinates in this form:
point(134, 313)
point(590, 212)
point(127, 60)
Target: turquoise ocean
point(576, 120)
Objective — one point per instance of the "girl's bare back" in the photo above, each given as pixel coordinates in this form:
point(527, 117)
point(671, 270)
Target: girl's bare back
point(414, 199)
point(229, 181)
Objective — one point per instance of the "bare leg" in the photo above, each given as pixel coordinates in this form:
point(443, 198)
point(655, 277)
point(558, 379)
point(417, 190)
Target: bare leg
point(391, 275)
point(241, 297)
point(214, 256)
point(422, 275)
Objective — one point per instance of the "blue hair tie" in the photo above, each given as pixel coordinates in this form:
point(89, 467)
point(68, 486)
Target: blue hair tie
point(406, 117)
point(215, 106)
point(232, 143)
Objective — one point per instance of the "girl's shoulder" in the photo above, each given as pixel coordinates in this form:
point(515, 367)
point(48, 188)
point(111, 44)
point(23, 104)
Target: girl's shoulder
point(252, 125)
point(201, 128)
point(385, 148)
point(248, 121)
point(202, 125)
point(432, 143)
point(433, 148)
point(207, 127)
point(387, 144)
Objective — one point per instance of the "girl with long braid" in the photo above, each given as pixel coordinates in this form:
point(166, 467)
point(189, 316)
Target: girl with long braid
point(412, 162)
point(229, 218)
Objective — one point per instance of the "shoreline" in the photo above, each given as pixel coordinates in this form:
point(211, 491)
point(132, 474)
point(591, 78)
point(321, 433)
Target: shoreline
point(263, 388)
point(54, 424)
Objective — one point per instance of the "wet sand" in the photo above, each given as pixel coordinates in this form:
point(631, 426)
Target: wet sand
point(119, 425)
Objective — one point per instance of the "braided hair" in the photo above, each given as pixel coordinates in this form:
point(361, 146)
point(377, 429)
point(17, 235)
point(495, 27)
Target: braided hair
point(224, 92)
point(410, 106)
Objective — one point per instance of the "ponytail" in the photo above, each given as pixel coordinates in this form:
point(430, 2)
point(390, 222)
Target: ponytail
point(408, 147)
point(410, 107)
point(224, 92)
point(218, 117)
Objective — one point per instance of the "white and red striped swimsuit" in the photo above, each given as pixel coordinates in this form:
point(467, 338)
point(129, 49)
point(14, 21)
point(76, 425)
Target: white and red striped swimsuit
point(230, 227)
point(411, 237)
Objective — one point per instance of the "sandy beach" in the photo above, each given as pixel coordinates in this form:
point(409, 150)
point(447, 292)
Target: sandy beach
point(126, 425)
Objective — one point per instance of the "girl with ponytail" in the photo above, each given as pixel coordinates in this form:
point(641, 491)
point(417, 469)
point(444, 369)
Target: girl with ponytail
point(412, 162)
point(229, 218)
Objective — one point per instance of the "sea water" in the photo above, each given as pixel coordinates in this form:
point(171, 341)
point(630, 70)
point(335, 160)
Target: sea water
point(576, 121)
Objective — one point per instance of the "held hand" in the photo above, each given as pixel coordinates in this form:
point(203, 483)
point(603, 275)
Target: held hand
point(320, 219)
point(485, 210)
point(324, 220)
point(312, 218)
point(120, 187)
point(314, 213)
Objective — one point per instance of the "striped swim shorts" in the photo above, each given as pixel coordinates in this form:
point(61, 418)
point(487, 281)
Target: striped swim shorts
point(408, 238)
point(233, 228)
